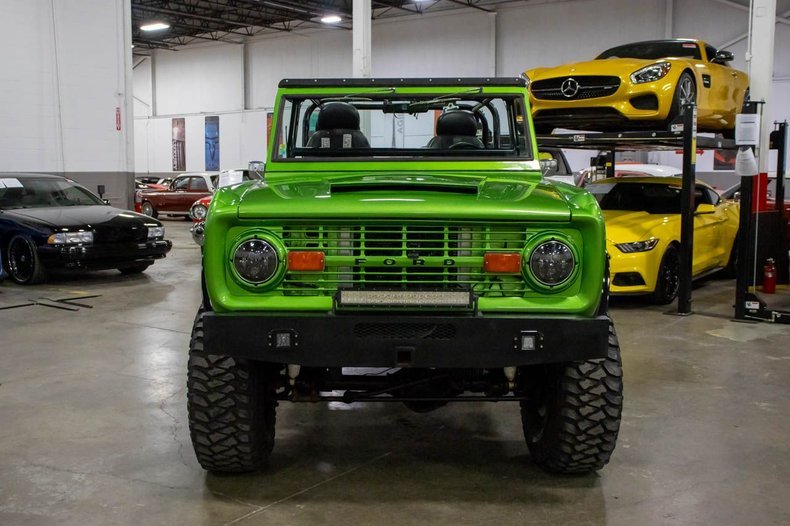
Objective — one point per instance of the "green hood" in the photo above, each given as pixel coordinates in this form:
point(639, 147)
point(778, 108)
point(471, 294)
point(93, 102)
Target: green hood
point(419, 196)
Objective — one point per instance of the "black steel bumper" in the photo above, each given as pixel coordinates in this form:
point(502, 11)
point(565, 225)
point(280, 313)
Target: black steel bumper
point(104, 255)
point(405, 340)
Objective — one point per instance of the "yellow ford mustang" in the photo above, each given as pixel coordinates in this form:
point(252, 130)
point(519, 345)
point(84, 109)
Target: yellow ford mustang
point(640, 85)
point(642, 216)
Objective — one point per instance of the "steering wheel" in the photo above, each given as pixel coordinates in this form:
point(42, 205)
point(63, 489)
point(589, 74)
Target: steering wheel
point(463, 146)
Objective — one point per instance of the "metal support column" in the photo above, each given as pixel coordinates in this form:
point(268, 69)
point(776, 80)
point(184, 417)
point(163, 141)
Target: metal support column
point(361, 36)
point(744, 252)
point(687, 208)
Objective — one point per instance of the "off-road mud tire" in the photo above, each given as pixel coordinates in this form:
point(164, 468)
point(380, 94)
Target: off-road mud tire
point(231, 409)
point(582, 404)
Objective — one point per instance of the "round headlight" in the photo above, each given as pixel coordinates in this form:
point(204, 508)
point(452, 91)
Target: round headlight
point(255, 261)
point(552, 263)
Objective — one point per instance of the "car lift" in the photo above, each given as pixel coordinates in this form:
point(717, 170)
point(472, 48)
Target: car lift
point(682, 135)
point(749, 306)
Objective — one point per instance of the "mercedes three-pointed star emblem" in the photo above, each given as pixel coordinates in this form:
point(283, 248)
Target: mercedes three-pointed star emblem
point(570, 87)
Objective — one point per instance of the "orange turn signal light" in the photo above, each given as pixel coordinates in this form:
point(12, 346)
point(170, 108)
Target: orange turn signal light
point(304, 261)
point(502, 263)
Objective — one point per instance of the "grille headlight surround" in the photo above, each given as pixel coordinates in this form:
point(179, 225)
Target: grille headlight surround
point(637, 246)
point(71, 238)
point(258, 261)
point(551, 263)
point(651, 73)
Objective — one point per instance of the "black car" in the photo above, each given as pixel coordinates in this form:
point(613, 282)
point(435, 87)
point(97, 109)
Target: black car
point(49, 222)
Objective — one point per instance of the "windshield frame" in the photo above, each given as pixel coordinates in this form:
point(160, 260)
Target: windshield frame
point(515, 103)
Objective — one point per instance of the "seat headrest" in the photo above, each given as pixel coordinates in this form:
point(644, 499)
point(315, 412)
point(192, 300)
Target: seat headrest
point(337, 115)
point(457, 122)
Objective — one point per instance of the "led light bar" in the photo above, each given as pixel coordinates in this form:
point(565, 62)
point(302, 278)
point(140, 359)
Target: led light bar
point(404, 298)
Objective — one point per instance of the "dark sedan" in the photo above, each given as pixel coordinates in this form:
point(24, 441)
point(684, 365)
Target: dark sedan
point(50, 222)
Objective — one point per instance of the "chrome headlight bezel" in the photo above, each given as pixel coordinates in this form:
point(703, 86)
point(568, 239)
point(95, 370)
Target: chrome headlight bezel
point(275, 249)
point(637, 246)
point(651, 73)
point(83, 237)
point(533, 276)
point(156, 232)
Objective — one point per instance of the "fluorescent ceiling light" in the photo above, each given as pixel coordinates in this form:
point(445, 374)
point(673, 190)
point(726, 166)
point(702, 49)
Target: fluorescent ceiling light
point(154, 26)
point(331, 19)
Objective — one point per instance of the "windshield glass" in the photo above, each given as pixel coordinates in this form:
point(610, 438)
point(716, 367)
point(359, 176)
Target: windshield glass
point(638, 197)
point(653, 50)
point(385, 125)
point(28, 192)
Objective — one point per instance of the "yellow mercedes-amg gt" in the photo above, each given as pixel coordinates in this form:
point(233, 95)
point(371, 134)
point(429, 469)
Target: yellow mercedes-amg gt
point(642, 216)
point(640, 85)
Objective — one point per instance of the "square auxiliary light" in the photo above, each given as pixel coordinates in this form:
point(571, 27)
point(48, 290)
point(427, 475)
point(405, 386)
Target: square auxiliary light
point(528, 341)
point(404, 298)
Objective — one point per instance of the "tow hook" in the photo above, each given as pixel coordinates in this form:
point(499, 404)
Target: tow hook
point(293, 372)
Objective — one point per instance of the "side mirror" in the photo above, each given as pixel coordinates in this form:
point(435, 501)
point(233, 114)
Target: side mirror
point(722, 57)
point(705, 208)
point(549, 166)
point(106, 202)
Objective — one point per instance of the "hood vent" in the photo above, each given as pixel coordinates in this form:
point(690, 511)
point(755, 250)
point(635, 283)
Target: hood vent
point(404, 187)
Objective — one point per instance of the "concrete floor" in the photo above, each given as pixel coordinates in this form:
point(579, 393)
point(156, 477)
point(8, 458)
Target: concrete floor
point(93, 410)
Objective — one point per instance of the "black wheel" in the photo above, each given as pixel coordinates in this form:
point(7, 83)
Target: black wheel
point(231, 409)
point(24, 267)
point(572, 417)
point(148, 209)
point(135, 269)
point(685, 93)
point(668, 280)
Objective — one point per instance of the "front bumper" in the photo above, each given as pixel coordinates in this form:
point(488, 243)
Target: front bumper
point(368, 340)
point(103, 256)
point(634, 273)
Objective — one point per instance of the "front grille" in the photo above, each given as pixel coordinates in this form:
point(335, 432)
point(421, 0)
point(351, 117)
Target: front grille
point(106, 234)
point(403, 257)
point(589, 87)
point(405, 331)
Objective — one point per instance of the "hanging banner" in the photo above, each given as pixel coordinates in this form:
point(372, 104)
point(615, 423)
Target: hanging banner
point(212, 143)
point(179, 145)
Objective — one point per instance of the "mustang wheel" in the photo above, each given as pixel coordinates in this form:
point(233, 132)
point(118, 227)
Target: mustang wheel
point(685, 93)
point(668, 280)
point(572, 417)
point(231, 408)
point(24, 266)
point(148, 209)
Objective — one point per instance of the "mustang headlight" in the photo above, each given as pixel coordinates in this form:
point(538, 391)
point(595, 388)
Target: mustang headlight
point(552, 262)
point(255, 261)
point(651, 73)
point(637, 246)
point(156, 232)
point(71, 238)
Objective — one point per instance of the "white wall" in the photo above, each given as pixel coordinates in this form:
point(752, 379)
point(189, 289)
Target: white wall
point(459, 43)
point(61, 85)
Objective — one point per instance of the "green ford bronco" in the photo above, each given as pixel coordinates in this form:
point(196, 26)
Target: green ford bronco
point(404, 247)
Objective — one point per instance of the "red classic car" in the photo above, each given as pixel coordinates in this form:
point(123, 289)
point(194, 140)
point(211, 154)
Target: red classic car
point(199, 208)
point(178, 197)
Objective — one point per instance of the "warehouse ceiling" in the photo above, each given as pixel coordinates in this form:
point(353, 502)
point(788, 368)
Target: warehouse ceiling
point(193, 21)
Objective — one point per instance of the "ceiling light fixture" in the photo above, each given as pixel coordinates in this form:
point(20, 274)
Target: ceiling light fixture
point(331, 19)
point(154, 26)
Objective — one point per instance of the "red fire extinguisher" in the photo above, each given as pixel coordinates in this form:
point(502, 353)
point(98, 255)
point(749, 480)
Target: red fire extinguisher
point(769, 276)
